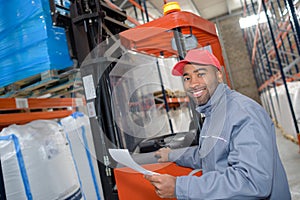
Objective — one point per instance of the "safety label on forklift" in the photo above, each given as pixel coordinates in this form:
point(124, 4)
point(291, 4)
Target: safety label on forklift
point(89, 87)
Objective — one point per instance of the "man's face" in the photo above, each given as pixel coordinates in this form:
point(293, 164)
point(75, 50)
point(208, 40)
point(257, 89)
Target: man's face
point(200, 81)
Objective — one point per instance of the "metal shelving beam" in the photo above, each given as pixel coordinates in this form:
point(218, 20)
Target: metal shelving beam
point(274, 49)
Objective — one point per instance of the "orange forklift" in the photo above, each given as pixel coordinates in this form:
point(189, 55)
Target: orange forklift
point(132, 100)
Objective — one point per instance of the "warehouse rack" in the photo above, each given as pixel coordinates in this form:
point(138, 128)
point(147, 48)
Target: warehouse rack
point(274, 49)
point(140, 10)
point(146, 104)
point(24, 110)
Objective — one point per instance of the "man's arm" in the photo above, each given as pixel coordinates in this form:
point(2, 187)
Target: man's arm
point(250, 165)
point(187, 157)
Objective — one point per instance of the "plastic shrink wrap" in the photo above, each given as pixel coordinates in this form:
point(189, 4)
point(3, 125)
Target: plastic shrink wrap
point(37, 162)
point(79, 135)
point(280, 108)
point(29, 43)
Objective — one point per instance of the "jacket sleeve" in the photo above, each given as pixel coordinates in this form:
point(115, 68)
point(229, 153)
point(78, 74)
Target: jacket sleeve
point(249, 170)
point(187, 157)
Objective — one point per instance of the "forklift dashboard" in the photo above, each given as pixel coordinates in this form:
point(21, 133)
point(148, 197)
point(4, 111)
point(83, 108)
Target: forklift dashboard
point(174, 141)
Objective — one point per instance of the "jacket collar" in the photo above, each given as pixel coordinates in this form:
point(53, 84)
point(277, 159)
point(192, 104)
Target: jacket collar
point(214, 123)
point(213, 101)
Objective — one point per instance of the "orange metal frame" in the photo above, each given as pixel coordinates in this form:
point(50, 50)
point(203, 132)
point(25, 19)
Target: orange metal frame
point(256, 34)
point(49, 108)
point(275, 78)
point(132, 20)
point(154, 37)
point(133, 185)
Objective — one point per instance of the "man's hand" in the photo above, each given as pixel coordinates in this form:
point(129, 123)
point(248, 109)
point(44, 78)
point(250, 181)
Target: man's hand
point(164, 184)
point(163, 154)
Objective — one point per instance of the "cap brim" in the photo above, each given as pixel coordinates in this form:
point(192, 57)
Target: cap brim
point(178, 68)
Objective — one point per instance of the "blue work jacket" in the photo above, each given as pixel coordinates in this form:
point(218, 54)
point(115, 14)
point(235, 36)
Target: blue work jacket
point(237, 153)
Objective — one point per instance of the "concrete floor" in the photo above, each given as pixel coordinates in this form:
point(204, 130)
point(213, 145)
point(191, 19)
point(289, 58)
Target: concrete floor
point(290, 156)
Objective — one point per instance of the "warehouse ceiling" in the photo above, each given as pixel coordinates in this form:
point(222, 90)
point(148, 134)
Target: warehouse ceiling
point(208, 9)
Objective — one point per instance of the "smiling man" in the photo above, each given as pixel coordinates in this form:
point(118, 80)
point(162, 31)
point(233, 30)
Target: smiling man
point(237, 149)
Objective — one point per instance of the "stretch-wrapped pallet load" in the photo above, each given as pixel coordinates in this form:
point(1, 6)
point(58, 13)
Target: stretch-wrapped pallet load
point(280, 108)
point(79, 134)
point(37, 162)
point(29, 43)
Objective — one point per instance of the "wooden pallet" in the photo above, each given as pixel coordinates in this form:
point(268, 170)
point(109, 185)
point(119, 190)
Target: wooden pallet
point(50, 83)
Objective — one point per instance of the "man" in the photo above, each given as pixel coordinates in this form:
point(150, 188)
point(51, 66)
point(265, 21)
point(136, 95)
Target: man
point(237, 149)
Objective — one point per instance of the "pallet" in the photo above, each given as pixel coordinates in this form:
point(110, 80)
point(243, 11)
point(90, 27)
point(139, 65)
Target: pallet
point(49, 83)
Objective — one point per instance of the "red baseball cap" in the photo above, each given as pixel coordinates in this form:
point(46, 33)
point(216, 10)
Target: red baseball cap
point(202, 57)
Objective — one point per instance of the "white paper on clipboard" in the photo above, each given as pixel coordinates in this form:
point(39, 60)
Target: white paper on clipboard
point(122, 156)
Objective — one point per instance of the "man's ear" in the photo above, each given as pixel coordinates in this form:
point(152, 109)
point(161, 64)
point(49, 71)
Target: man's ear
point(220, 76)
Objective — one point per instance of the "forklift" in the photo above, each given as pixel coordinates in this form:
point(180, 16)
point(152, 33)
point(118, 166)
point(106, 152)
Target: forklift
point(132, 100)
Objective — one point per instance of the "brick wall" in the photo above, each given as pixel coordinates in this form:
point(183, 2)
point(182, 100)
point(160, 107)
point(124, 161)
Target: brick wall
point(237, 57)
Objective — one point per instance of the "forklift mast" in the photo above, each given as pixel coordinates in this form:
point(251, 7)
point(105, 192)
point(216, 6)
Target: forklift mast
point(89, 23)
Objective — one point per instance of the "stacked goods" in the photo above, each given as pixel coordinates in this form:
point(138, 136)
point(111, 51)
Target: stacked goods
point(37, 162)
point(29, 43)
point(79, 135)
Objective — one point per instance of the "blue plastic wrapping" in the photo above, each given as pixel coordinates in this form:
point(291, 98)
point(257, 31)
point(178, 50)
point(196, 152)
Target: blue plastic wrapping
point(29, 43)
point(65, 4)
